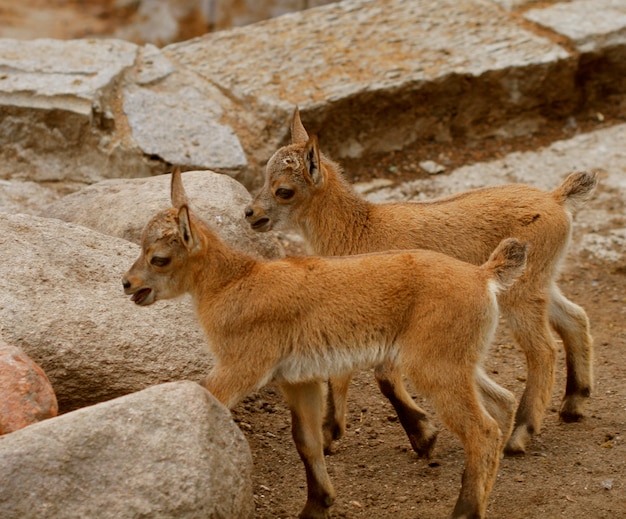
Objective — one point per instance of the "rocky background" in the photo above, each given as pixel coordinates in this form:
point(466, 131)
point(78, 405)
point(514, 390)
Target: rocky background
point(416, 98)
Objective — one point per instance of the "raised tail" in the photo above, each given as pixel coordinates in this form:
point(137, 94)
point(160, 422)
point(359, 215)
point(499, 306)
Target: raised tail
point(576, 189)
point(507, 262)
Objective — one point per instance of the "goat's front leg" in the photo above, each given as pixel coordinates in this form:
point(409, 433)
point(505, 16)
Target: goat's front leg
point(230, 386)
point(336, 409)
point(421, 432)
point(306, 402)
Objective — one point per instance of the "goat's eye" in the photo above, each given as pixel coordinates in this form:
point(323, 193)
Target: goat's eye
point(284, 193)
point(160, 261)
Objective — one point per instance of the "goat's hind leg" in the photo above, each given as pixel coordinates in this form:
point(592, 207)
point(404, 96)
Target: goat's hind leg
point(334, 426)
point(499, 403)
point(306, 402)
point(459, 406)
point(530, 328)
point(572, 324)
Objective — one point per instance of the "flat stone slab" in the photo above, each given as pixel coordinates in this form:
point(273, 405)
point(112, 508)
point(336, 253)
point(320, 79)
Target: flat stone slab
point(64, 75)
point(376, 76)
point(182, 128)
point(354, 46)
point(590, 24)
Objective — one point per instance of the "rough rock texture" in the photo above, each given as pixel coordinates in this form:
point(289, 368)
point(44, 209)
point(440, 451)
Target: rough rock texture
point(590, 24)
point(25, 197)
point(227, 14)
point(376, 76)
point(369, 76)
point(26, 396)
point(86, 110)
point(126, 206)
point(168, 451)
point(154, 117)
point(597, 29)
point(56, 113)
point(61, 301)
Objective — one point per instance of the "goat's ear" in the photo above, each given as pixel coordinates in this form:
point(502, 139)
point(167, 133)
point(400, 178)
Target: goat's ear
point(178, 195)
point(186, 230)
point(298, 133)
point(312, 161)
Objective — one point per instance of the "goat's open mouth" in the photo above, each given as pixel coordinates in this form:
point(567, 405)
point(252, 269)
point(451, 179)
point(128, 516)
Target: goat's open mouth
point(262, 224)
point(140, 296)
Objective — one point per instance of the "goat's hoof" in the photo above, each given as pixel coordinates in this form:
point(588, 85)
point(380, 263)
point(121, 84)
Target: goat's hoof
point(514, 451)
point(572, 408)
point(423, 445)
point(569, 416)
point(314, 510)
point(331, 432)
point(516, 446)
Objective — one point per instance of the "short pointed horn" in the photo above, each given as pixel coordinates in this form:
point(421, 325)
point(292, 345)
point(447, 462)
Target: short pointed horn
point(178, 195)
point(298, 133)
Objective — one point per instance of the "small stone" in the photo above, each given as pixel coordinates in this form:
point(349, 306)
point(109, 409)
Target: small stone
point(26, 395)
point(431, 167)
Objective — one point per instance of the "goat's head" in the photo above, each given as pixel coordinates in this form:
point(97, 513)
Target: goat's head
point(167, 242)
point(292, 176)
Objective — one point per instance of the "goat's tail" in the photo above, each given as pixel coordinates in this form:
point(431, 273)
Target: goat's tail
point(576, 189)
point(507, 262)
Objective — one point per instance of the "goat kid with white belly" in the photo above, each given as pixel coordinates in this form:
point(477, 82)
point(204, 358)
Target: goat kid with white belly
point(306, 191)
point(299, 321)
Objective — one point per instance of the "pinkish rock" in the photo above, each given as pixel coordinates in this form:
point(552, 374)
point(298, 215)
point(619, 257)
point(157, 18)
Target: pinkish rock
point(26, 395)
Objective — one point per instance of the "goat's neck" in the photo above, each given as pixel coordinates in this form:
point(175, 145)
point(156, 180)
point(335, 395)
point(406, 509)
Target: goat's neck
point(336, 219)
point(216, 266)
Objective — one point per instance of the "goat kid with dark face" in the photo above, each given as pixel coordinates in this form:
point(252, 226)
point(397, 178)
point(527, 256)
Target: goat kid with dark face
point(299, 321)
point(306, 191)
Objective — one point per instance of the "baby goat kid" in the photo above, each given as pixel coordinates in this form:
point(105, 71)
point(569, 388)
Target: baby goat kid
point(299, 321)
point(305, 191)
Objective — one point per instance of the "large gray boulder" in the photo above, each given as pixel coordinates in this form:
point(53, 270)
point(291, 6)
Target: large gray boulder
point(373, 77)
point(61, 302)
point(86, 110)
point(169, 451)
point(369, 77)
point(57, 116)
point(124, 207)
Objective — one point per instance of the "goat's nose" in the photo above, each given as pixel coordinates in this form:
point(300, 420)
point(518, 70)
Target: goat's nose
point(125, 284)
point(249, 212)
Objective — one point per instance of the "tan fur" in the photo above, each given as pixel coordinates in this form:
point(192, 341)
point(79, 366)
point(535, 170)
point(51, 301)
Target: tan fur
point(299, 321)
point(305, 191)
